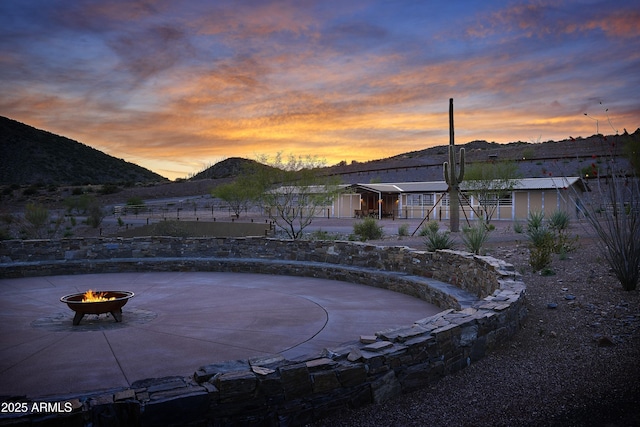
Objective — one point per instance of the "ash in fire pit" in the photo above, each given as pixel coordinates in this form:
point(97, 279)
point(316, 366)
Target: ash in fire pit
point(97, 303)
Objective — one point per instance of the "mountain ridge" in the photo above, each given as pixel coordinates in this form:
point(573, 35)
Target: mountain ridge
point(27, 157)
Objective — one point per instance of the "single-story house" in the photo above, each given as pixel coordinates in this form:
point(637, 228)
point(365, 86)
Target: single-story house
point(419, 199)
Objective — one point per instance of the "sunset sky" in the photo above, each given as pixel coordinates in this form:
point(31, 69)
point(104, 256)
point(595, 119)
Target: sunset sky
point(176, 86)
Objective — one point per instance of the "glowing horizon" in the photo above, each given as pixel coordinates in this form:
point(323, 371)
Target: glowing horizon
point(178, 87)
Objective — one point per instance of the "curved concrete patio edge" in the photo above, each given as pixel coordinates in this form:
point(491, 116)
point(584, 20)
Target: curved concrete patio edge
point(482, 299)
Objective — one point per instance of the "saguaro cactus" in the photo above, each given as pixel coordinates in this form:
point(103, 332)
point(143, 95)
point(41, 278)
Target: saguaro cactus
point(452, 178)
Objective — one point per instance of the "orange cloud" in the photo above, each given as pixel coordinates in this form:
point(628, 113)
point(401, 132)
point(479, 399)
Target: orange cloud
point(538, 19)
point(176, 89)
point(619, 24)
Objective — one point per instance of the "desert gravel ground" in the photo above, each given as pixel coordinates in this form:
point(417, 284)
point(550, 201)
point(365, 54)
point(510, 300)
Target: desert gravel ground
point(574, 365)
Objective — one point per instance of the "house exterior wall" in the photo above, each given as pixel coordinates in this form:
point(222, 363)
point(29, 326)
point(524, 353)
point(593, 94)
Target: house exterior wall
point(536, 201)
point(409, 208)
point(547, 201)
point(418, 206)
point(521, 203)
point(346, 205)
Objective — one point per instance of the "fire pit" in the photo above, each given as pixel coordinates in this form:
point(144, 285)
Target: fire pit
point(97, 303)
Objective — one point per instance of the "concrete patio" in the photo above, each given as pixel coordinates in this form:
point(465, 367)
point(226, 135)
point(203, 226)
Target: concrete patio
point(176, 323)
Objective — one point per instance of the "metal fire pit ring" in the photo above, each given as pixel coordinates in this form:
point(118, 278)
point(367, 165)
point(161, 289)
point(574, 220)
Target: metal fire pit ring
point(114, 306)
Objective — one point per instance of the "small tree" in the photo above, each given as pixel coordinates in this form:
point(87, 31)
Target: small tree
point(239, 194)
point(95, 214)
point(489, 182)
point(38, 219)
point(79, 203)
point(293, 192)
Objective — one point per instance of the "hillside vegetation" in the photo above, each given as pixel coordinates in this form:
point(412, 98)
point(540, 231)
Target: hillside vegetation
point(32, 156)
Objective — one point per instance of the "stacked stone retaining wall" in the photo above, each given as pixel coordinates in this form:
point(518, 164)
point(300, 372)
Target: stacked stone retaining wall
point(482, 300)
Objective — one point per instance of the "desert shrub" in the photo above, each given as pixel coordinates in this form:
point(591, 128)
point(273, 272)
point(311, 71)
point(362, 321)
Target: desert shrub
point(618, 228)
point(430, 227)
point(541, 241)
point(475, 237)
point(136, 204)
point(7, 218)
point(95, 215)
point(5, 234)
point(562, 255)
point(535, 220)
point(368, 229)
point(403, 230)
point(135, 201)
point(109, 189)
point(541, 247)
point(559, 221)
point(434, 238)
point(78, 203)
point(37, 217)
point(30, 191)
point(547, 272)
point(518, 228)
point(38, 222)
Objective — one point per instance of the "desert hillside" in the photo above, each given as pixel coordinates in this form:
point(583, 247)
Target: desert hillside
point(31, 156)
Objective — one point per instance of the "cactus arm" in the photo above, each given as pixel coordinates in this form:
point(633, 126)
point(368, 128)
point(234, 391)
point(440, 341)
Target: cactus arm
point(446, 172)
point(461, 169)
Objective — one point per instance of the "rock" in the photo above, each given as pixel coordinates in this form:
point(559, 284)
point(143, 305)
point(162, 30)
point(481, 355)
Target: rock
point(262, 371)
point(378, 346)
point(354, 355)
point(605, 341)
point(386, 387)
point(368, 339)
point(124, 395)
point(236, 386)
point(552, 305)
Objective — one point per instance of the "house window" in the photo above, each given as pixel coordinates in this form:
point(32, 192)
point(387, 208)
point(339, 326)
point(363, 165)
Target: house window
point(506, 200)
point(420, 200)
point(493, 200)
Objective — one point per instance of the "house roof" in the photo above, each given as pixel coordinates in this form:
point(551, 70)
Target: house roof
point(524, 184)
point(406, 187)
point(548, 183)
